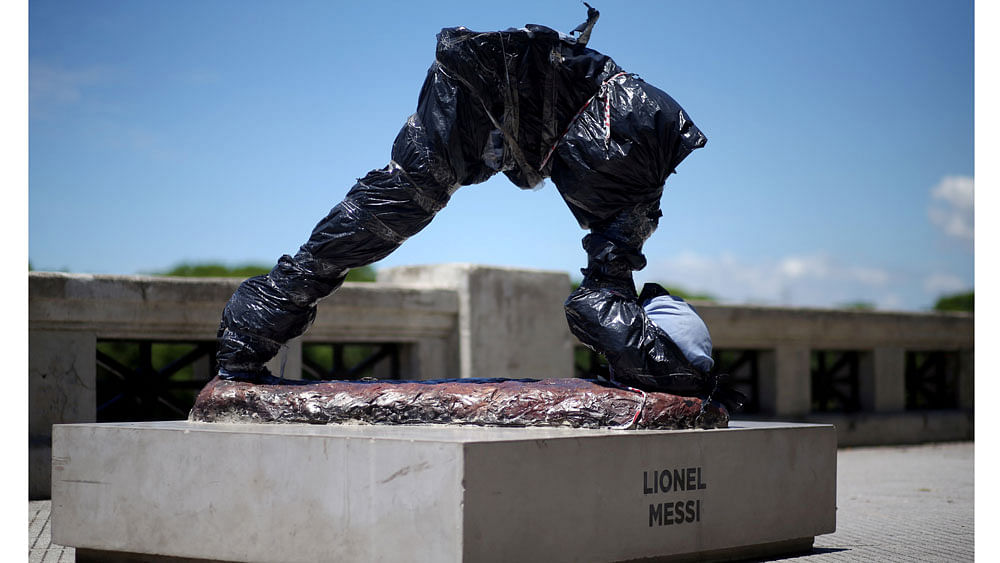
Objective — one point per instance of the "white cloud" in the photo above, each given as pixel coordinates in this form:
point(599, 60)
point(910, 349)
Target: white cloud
point(820, 280)
point(796, 267)
point(868, 276)
point(953, 207)
point(942, 284)
point(891, 301)
point(50, 85)
point(813, 280)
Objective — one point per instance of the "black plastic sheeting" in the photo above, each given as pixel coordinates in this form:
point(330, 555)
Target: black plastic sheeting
point(530, 103)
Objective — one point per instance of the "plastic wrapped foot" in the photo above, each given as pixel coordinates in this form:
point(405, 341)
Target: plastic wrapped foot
point(724, 393)
point(257, 375)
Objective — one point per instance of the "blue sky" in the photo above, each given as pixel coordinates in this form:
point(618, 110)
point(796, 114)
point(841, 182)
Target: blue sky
point(839, 165)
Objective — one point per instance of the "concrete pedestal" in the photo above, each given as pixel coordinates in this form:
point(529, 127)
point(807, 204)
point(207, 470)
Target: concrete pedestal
point(221, 492)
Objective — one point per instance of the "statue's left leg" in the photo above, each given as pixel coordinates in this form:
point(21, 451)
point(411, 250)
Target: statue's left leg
point(605, 313)
point(610, 167)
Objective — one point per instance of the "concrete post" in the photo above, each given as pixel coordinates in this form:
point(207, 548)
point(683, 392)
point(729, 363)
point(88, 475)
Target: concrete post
point(785, 382)
point(292, 358)
point(883, 380)
point(431, 358)
point(202, 369)
point(511, 321)
point(62, 388)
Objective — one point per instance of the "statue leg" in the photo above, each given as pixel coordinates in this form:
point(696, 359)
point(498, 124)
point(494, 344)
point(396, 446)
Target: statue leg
point(610, 170)
point(430, 160)
point(605, 313)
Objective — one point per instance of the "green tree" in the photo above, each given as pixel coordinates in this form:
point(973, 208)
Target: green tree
point(673, 290)
point(858, 306)
point(963, 302)
point(214, 270)
point(689, 295)
point(210, 270)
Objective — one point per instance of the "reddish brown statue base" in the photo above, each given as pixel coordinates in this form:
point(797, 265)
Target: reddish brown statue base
point(577, 403)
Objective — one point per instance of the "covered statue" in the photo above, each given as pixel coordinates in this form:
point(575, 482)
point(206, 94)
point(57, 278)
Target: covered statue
point(531, 103)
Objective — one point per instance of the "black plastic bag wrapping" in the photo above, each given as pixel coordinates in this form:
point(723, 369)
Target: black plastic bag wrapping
point(430, 156)
point(605, 313)
point(531, 103)
point(620, 150)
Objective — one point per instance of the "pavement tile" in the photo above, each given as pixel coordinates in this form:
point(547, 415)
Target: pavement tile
point(40, 546)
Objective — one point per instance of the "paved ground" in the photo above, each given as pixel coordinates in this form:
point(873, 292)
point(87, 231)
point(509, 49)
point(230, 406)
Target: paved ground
point(901, 504)
point(894, 504)
point(40, 546)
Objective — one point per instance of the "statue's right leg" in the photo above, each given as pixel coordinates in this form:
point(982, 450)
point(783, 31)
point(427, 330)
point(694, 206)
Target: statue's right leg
point(381, 211)
point(430, 161)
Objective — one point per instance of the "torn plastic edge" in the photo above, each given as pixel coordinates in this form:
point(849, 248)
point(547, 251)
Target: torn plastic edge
point(586, 27)
point(602, 92)
point(642, 405)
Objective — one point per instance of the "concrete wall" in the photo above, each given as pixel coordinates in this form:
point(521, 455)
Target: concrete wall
point(466, 320)
point(62, 369)
point(787, 336)
point(511, 321)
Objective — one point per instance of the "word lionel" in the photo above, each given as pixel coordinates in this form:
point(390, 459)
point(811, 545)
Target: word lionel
point(666, 480)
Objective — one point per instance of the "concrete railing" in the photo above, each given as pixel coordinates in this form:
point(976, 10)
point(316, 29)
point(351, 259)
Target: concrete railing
point(786, 337)
point(463, 320)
